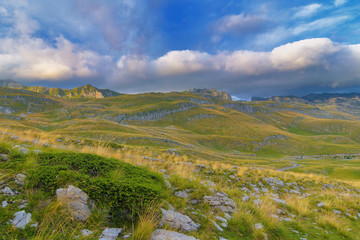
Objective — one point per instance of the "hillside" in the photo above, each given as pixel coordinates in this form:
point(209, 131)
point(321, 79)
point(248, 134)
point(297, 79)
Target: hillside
point(191, 165)
point(87, 91)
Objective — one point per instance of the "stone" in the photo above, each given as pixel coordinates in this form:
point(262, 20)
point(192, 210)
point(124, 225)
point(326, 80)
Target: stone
point(8, 191)
point(217, 226)
point(337, 212)
point(4, 204)
point(182, 194)
point(34, 225)
point(21, 149)
point(20, 179)
point(278, 200)
point(258, 226)
point(86, 232)
point(21, 219)
point(245, 198)
point(110, 234)
point(257, 202)
point(161, 234)
point(37, 151)
point(177, 220)
point(4, 157)
point(321, 204)
point(222, 202)
point(168, 184)
point(76, 200)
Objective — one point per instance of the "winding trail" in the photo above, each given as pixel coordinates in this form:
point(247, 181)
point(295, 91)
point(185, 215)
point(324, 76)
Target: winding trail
point(289, 167)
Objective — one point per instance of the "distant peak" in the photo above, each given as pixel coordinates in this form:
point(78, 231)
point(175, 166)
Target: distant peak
point(211, 92)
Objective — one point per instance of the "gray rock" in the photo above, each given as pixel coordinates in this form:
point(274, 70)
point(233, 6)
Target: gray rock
point(110, 234)
point(76, 200)
point(177, 220)
point(168, 184)
point(34, 225)
point(337, 212)
point(86, 232)
point(8, 191)
point(258, 226)
point(4, 157)
point(4, 204)
point(182, 194)
point(222, 202)
point(20, 179)
point(217, 226)
point(21, 219)
point(21, 149)
point(161, 234)
point(37, 151)
point(245, 198)
point(321, 204)
point(278, 200)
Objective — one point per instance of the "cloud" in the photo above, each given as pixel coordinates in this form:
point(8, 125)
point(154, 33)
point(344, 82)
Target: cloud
point(320, 24)
point(339, 2)
point(240, 23)
point(315, 63)
point(307, 10)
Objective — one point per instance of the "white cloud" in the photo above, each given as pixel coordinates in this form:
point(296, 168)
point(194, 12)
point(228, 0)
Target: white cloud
point(339, 2)
point(240, 23)
point(307, 10)
point(319, 24)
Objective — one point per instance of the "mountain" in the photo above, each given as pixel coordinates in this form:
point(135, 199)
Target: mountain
point(87, 91)
point(211, 93)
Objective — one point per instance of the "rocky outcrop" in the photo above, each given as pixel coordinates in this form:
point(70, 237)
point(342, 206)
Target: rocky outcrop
point(211, 93)
point(161, 234)
point(222, 202)
point(76, 200)
point(153, 115)
point(21, 219)
point(177, 220)
point(110, 234)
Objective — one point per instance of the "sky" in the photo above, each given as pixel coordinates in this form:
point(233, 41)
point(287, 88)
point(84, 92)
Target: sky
point(248, 48)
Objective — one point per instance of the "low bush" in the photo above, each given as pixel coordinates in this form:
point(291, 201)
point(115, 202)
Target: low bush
point(124, 195)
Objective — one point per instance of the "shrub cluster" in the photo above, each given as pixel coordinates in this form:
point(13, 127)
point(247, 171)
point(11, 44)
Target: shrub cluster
point(125, 195)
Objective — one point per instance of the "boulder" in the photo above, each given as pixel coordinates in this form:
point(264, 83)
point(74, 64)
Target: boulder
point(182, 194)
point(110, 234)
point(4, 157)
point(258, 226)
point(161, 234)
point(76, 200)
point(177, 220)
point(222, 202)
point(86, 232)
point(20, 179)
point(8, 191)
point(21, 219)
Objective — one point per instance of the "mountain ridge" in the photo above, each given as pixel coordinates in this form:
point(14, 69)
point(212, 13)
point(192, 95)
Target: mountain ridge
point(86, 91)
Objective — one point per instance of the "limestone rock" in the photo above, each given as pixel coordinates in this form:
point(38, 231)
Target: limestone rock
point(8, 191)
point(76, 200)
point(177, 220)
point(4, 157)
point(86, 232)
point(221, 201)
point(20, 179)
point(21, 219)
point(182, 194)
point(110, 234)
point(161, 234)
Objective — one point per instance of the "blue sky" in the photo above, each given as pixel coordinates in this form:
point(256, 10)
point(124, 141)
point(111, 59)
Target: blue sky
point(248, 48)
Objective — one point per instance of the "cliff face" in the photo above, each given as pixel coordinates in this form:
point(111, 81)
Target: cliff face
point(211, 93)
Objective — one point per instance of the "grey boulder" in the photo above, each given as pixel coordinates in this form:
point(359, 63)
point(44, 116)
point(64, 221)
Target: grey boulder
point(177, 220)
point(110, 234)
point(76, 200)
point(161, 234)
point(21, 219)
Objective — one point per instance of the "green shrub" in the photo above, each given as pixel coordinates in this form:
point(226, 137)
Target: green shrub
point(124, 195)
